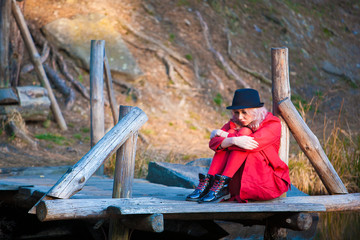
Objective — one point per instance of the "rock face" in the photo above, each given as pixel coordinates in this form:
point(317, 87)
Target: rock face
point(75, 35)
point(171, 174)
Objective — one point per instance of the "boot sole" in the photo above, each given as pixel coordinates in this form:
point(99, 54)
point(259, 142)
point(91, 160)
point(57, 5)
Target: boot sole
point(226, 197)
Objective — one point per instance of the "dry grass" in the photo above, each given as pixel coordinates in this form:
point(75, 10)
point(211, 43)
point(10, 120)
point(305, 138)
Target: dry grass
point(343, 150)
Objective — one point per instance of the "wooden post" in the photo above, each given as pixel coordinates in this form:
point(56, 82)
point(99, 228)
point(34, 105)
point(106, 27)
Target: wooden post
point(311, 146)
point(123, 177)
point(5, 11)
point(110, 90)
point(77, 176)
point(280, 91)
point(97, 93)
point(35, 58)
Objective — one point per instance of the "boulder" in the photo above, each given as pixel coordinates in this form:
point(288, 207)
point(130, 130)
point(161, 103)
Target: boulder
point(172, 174)
point(74, 36)
point(201, 162)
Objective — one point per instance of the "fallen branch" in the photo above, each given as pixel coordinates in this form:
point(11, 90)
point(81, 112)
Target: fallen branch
point(61, 86)
point(44, 55)
point(228, 70)
point(40, 40)
point(245, 69)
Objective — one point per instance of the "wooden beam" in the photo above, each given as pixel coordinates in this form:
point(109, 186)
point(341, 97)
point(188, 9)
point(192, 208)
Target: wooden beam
point(35, 58)
point(77, 176)
point(148, 223)
point(280, 91)
point(123, 177)
point(311, 146)
point(97, 94)
point(62, 209)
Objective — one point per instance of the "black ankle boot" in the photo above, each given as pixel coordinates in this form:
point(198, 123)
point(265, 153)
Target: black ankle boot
point(205, 182)
point(219, 190)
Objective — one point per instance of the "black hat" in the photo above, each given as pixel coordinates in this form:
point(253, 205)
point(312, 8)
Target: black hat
point(246, 98)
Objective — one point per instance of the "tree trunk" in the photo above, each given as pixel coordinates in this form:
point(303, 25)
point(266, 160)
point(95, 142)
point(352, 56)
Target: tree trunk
point(5, 11)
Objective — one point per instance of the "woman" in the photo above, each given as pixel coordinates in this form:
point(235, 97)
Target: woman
point(246, 165)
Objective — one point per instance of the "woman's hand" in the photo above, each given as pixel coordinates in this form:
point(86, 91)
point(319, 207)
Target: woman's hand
point(218, 132)
point(245, 142)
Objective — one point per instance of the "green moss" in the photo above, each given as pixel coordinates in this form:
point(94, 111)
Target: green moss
point(218, 99)
point(55, 138)
point(188, 57)
point(85, 130)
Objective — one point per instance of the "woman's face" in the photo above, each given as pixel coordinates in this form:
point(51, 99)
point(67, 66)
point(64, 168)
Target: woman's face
point(243, 116)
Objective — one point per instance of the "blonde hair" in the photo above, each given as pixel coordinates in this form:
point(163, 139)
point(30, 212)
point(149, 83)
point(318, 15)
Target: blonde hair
point(259, 115)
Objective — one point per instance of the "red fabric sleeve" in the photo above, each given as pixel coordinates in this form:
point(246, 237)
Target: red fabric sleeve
point(215, 142)
point(268, 133)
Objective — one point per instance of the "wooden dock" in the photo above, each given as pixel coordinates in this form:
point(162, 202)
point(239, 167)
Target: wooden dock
point(95, 201)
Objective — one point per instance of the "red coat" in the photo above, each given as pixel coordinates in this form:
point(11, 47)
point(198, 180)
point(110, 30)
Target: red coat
point(263, 175)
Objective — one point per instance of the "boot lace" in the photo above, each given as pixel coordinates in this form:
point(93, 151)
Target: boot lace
point(202, 184)
point(217, 185)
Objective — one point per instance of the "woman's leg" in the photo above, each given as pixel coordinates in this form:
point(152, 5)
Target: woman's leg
point(218, 163)
point(234, 162)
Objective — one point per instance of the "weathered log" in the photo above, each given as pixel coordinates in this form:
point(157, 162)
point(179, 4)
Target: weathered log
point(123, 177)
point(125, 163)
point(34, 104)
point(61, 86)
point(65, 209)
point(7, 96)
point(148, 223)
point(110, 90)
point(35, 58)
point(280, 91)
point(311, 146)
point(5, 12)
point(74, 180)
point(97, 93)
point(275, 226)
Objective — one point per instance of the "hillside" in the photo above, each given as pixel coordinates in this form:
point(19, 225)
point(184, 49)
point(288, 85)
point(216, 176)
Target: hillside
point(186, 99)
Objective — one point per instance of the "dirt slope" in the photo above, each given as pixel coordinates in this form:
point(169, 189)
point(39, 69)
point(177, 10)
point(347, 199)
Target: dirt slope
point(184, 107)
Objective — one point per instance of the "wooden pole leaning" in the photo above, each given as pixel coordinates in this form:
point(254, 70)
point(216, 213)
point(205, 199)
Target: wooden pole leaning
point(311, 146)
point(77, 176)
point(35, 58)
point(110, 90)
point(123, 177)
point(97, 93)
point(281, 90)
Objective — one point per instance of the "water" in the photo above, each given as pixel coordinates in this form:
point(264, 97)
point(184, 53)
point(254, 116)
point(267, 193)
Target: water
point(329, 226)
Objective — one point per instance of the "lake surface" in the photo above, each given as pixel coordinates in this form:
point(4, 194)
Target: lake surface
point(329, 226)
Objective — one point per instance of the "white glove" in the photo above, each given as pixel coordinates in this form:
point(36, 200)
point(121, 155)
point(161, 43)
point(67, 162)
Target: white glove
point(245, 142)
point(218, 132)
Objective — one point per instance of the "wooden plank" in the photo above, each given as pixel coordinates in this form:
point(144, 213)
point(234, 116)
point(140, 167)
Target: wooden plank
point(102, 208)
point(332, 203)
point(219, 208)
point(280, 91)
point(311, 146)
